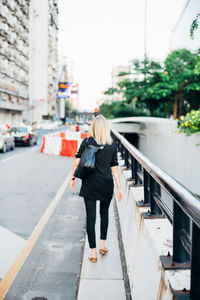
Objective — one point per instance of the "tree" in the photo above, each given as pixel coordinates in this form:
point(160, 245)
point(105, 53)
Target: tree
point(120, 109)
point(148, 88)
point(194, 26)
point(164, 89)
point(111, 91)
point(180, 72)
point(68, 108)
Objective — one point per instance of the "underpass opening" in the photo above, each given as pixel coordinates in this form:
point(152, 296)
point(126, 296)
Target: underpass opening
point(132, 137)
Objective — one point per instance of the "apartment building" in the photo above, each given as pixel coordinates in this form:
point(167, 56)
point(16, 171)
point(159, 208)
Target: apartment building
point(116, 79)
point(14, 60)
point(43, 77)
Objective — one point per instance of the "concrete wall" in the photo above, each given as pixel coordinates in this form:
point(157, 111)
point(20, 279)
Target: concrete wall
point(176, 154)
point(144, 241)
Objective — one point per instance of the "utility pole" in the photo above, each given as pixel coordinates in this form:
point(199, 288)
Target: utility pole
point(145, 29)
point(145, 36)
point(61, 103)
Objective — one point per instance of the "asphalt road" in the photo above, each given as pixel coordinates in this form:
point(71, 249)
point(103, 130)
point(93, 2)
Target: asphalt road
point(29, 181)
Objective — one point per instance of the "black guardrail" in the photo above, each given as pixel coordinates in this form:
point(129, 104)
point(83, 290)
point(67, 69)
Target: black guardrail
point(185, 215)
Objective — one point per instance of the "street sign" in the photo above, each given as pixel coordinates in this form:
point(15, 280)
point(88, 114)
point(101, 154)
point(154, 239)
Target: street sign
point(64, 89)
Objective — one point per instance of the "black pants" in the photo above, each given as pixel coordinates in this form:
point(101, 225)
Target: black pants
point(90, 206)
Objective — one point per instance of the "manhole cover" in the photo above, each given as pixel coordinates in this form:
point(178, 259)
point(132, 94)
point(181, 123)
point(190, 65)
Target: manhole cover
point(68, 217)
point(39, 298)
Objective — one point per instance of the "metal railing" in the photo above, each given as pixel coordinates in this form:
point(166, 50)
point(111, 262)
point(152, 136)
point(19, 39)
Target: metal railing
point(185, 215)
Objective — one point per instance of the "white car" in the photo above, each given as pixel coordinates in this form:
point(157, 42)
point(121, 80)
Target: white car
point(47, 124)
point(6, 141)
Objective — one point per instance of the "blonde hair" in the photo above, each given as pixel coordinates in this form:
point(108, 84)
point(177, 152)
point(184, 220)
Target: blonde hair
point(100, 131)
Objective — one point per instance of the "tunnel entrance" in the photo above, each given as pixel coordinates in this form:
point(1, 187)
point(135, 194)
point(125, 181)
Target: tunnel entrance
point(132, 137)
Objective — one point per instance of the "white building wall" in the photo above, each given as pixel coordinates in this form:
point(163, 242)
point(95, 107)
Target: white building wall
point(38, 58)
point(43, 58)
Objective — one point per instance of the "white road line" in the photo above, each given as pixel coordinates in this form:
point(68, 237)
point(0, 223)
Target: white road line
point(9, 158)
point(14, 156)
point(31, 150)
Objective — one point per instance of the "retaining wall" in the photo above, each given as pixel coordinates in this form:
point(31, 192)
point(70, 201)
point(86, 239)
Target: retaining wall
point(144, 241)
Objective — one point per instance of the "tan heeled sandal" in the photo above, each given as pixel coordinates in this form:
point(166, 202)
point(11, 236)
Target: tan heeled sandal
point(93, 259)
point(103, 251)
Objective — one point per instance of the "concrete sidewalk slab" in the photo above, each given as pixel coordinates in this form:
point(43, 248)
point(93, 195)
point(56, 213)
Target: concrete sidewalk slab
point(106, 275)
point(101, 290)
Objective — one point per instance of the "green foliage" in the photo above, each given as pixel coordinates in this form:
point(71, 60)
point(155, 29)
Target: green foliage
point(197, 67)
point(163, 90)
point(111, 91)
point(124, 73)
point(194, 25)
point(68, 108)
point(193, 28)
point(120, 109)
point(190, 123)
point(180, 66)
point(69, 111)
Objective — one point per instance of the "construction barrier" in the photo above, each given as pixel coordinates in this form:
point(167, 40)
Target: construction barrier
point(69, 147)
point(62, 143)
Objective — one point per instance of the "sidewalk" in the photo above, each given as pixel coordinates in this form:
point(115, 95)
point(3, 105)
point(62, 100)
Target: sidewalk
point(103, 280)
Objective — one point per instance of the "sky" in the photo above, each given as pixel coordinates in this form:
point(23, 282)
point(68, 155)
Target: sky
point(97, 35)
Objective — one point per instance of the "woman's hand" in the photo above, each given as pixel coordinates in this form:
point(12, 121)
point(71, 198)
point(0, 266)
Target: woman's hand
point(119, 195)
point(73, 185)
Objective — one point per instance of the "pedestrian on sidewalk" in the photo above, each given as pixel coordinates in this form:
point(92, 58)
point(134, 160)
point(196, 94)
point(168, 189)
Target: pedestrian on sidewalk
point(99, 184)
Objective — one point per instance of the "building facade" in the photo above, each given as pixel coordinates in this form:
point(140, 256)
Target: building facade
point(115, 78)
point(28, 60)
point(43, 77)
point(115, 75)
point(14, 60)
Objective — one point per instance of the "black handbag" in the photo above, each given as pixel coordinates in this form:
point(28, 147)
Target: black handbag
point(87, 162)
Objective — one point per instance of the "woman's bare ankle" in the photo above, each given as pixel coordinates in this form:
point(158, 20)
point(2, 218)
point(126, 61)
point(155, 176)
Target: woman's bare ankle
point(102, 244)
point(93, 252)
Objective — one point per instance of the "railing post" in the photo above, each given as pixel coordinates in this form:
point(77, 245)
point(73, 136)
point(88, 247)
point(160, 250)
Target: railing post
point(118, 144)
point(180, 222)
point(122, 151)
point(126, 158)
point(153, 188)
point(132, 168)
point(195, 263)
point(135, 172)
point(146, 187)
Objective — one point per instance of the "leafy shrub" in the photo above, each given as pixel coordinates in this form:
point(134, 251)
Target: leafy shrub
point(190, 123)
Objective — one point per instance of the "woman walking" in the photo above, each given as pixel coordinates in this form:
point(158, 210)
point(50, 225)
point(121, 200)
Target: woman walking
point(99, 184)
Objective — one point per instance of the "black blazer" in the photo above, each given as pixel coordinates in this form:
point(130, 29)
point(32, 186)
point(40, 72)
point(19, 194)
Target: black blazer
point(99, 185)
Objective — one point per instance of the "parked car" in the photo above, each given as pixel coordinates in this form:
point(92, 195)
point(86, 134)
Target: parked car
point(7, 142)
point(47, 124)
point(24, 135)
